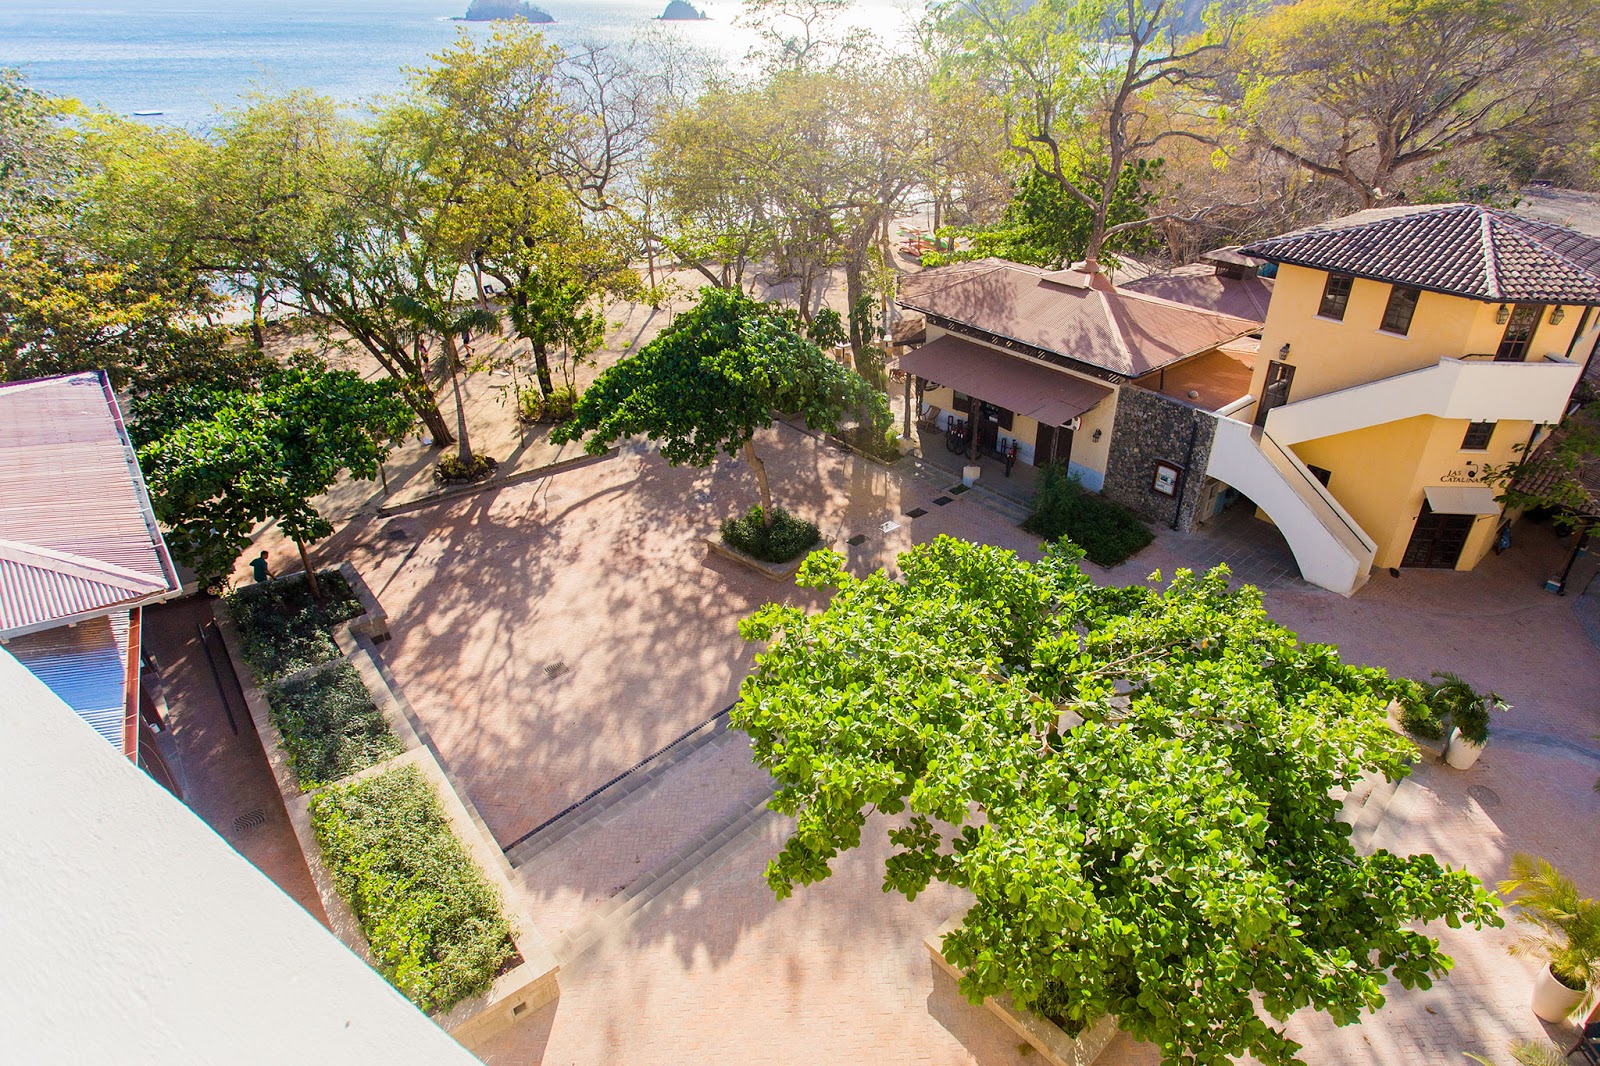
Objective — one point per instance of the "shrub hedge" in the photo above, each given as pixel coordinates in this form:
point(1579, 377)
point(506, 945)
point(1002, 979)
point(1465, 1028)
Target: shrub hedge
point(330, 726)
point(434, 923)
point(1107, 532)
point(285, 628)
point(789, 538)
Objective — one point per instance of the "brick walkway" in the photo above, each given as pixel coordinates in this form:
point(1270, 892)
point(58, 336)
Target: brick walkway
point(674, 950)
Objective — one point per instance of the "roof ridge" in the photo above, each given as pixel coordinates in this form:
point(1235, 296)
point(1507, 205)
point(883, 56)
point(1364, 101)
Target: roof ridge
point(1118, 328)
point(1515, 228)
point(1491, 261)
point(79, 566)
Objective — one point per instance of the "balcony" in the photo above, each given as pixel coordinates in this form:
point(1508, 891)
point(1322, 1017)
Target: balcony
point(1473, 387)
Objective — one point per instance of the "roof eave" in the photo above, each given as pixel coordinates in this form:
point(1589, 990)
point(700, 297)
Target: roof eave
point(1564, 301)
point(87, 616)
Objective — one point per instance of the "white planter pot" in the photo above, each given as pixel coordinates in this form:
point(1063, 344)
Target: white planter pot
point(1460, 752)
point(1552, 1000)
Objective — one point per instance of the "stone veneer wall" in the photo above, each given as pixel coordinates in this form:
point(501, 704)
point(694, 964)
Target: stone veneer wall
point(1152, 428)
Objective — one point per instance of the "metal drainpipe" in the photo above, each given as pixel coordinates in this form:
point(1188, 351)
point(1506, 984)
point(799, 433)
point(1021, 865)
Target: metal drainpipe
point(1183, 475)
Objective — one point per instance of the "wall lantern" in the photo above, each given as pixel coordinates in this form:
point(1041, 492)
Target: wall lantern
point(1283, 353)
point(1557, 315)
point(1501, 315)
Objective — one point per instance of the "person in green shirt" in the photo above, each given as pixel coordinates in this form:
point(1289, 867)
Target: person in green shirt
point(259, 566)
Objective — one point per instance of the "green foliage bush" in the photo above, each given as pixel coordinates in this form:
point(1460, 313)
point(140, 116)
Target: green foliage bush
point(788, 539)
point(1429, 708)
point(451, 470)
point(434, 923)
point(1107, 532)
point(533, 406)
point(331, 728)
point(285, 628)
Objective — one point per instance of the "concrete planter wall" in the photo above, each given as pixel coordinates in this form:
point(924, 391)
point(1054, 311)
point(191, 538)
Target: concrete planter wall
point(514, 994)
point(770, 571)
point(1047, 1038)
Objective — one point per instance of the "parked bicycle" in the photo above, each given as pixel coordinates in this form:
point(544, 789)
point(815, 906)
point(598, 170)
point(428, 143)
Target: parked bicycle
point(956, 435)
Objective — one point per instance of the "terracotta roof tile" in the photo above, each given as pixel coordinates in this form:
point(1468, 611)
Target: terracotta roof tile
point(1459, 249)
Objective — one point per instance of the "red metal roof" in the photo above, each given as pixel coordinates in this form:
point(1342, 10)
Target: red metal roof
point(77, 534)
point(1040, 392)
point(1068, 314)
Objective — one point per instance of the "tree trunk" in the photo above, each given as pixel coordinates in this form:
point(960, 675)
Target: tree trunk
point(463, 442)
point(311, 575)
point(541, 367)
point(759, 467)
point(257, 330)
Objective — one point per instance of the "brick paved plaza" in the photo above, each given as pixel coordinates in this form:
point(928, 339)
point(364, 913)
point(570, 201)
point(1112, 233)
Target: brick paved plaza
point(554, 633)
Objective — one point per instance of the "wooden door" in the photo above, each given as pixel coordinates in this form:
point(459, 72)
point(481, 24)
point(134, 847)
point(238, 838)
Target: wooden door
point(1437, 539)
point(1053, 444)
point(1280, 376)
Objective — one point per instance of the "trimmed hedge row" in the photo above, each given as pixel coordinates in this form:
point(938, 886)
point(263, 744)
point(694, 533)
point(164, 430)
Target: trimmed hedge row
point(432, 920)
point(285, 628)
point(330, 726)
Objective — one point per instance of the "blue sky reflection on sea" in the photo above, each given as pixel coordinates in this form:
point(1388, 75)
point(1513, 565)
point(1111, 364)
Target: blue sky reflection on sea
point(187, 58)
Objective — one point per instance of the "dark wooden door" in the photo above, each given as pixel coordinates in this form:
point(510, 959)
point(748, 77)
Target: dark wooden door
point(990, 421)
point(1280, 376)
point(1437, 540)
point(1052, 444)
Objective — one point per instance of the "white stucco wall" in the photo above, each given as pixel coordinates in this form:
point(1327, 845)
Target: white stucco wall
point(132, 933)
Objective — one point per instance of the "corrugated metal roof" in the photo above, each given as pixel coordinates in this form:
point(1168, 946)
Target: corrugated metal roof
point(38, 585)
point(70, 488)
point(83, 664)
point(1063, 312)
point(1040, 392)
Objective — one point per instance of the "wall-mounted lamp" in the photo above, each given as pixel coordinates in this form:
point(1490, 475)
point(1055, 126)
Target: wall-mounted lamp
point(1501, 315)
point(1283, 353)
point(1472, 470)
point(1557, 315)
point(1096, 434)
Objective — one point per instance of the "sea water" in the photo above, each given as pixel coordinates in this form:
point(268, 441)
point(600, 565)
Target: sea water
point(187, 59)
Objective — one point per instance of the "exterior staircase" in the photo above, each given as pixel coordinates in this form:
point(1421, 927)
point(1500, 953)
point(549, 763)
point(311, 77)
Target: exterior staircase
point(1331, 549)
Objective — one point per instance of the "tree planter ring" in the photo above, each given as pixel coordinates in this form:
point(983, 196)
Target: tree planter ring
point(1046, 1037)
point(770, 571)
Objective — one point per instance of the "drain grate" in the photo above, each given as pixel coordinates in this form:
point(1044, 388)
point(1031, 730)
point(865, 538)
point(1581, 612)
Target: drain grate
point(250, 819)
point(956, 490)
point(1486, 796)
point(555, 670)
point(916, 512)
point(397, 533)
point(942, 500)
point(859, 538)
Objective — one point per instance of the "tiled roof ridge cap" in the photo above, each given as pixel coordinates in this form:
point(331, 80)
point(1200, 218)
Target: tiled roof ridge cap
point(1515, 224)
point(80, 566)
point(1491, 262)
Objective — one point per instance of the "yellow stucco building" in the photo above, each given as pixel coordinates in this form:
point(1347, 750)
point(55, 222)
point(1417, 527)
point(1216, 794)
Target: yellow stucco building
point(1407, 350)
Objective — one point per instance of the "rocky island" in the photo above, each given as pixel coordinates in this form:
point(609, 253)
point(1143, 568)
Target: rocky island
point(681, 11)
point(489, 10)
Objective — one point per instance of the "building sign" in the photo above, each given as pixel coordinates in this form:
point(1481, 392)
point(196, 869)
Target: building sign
point(1469, 476)
point(1166, 479)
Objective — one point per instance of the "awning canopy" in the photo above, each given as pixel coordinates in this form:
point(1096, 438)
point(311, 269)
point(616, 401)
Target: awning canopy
point(1053, 397)
point(1461, 499)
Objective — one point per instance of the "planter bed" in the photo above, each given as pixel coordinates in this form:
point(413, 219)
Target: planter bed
point(1046, 1037)
point(394, 850)
point(771, 571)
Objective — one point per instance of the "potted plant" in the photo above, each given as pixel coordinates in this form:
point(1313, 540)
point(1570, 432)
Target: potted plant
point(1449, 707)
point(1568, 934)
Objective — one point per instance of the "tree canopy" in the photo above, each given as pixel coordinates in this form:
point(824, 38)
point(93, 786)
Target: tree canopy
point(710, 380)
point(1138, 786)
point(220, 460)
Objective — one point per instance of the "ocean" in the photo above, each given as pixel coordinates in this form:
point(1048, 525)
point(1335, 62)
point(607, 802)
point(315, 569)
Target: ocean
point(187, 59)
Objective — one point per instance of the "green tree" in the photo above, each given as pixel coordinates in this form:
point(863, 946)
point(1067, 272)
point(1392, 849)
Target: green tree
point(1558, 475)
point(37, 156)
point(1138, 786)
point(447, 323)
point(1362, 91)
point(1079, 83)
point(710, 380)
point(222, 460)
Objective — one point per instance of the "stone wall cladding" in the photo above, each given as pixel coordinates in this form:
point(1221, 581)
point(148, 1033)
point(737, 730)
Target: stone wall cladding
point(1152, 428)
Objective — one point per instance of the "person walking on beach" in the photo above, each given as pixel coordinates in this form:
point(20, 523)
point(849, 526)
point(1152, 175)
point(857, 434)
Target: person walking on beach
point(258, 566)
